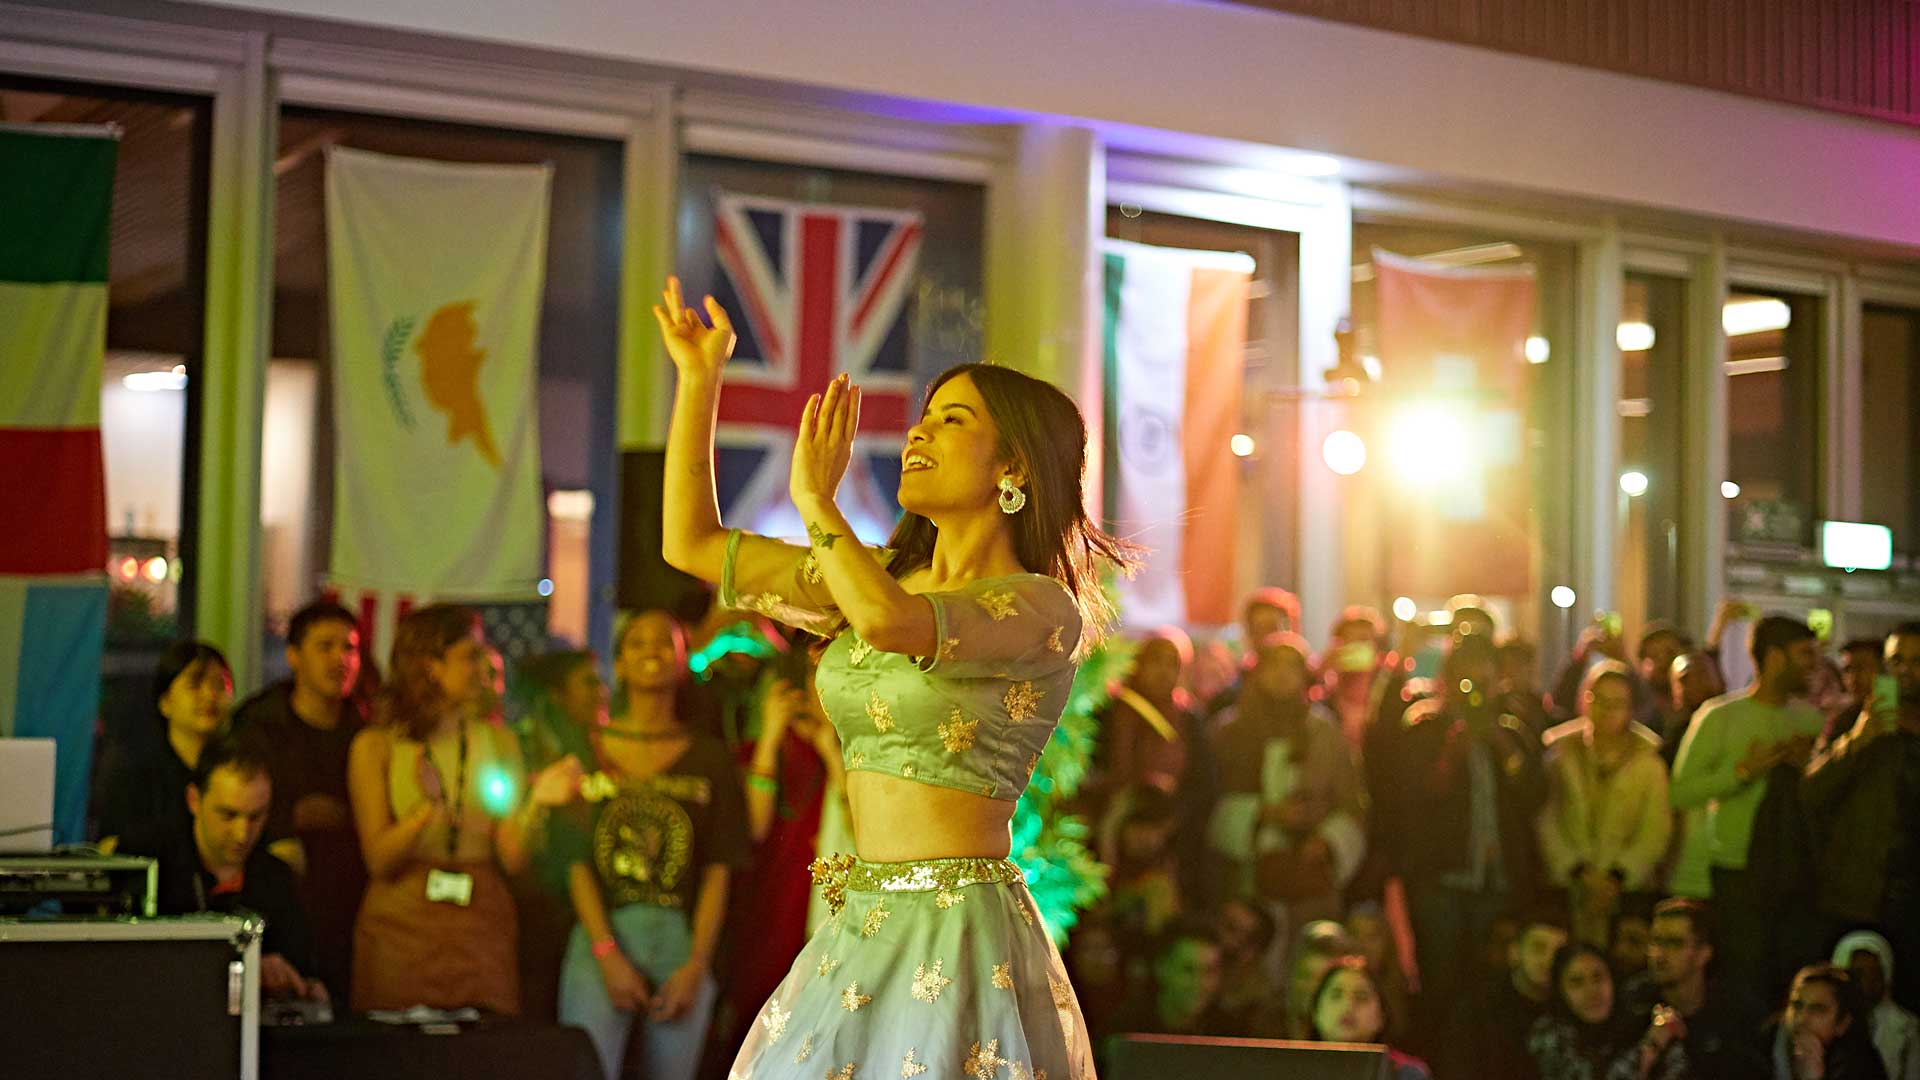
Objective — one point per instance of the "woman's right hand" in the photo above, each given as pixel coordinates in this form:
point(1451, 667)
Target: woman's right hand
point(697, 349)
point(627, 989)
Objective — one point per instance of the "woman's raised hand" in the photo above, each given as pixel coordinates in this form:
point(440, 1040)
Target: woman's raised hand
point(825, 442)
point(696, 348)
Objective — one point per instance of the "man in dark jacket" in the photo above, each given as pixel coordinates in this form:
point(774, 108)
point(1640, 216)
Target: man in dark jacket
point(1460, 821)
point(219, 865)
point(1863, 794)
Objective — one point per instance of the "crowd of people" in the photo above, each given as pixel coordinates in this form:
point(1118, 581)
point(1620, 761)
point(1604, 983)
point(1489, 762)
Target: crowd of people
point(1401, 838)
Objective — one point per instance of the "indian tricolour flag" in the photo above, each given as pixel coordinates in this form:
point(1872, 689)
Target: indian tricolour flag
point(1176, 334)
point(56, 194)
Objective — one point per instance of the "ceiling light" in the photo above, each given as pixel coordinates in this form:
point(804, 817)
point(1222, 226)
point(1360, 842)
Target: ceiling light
point(1755, 316)
point(1633, 336)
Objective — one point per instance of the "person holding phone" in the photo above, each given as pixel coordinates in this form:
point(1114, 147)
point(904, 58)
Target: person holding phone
point(1862, 792)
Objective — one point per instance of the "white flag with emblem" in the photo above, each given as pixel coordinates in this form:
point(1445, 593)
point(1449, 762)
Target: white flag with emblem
point(435, 273)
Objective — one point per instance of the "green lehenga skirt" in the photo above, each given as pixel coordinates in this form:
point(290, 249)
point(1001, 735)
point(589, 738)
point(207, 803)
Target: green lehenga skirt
point(938, 968)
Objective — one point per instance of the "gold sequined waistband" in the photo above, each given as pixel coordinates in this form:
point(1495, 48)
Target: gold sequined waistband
point(838, 874)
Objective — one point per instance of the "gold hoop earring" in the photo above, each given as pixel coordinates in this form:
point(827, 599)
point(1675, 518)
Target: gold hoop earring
point(1012, 499)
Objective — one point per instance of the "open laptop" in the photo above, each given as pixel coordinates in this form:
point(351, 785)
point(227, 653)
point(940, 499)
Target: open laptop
point(26, 796)
point(1176, 1057)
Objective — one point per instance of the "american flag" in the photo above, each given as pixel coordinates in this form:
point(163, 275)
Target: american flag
point(815, 291)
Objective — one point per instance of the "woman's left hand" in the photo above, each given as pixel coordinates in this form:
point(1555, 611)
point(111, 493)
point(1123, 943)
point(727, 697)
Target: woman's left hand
point(676, 996)
point(558, 783)
point(825, 442)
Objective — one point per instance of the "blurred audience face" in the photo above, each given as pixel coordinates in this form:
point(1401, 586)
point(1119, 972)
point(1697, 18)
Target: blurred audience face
point(1676, 954)
point(491, 678)
point(327, 660)
point(1813, 1009)
point(1631, 937)
point(1349, 1008)
point(1280, 672)
point(1868, 974)
point(582, 696)
point(1531, 958)
point(1501, 934)
point(1374, 938)
point(1695, 681)
point(1587, 987)
point(1263, 621)
point(1903, 663)
point(1858, 668)
point(197, 700)
point(229, 816)
point(1656, 656)
point(460, 671)
point(1473, 620)
point(1610, 707)
point(1156, 669)
point(649, 659)
point(1792, 667)
point(1518, 662)
point(1188, 975)
point(1241, 931)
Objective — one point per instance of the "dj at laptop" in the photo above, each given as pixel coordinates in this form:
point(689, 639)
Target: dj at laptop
point(219, 865)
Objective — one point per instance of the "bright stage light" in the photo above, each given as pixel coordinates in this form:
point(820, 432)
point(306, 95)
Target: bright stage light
point(545, 587)
point(1633, 336)
point(1344, 452)
point(148, 382)
point(1562, 597)
point(1854, 545)
point(1241, 445)
point(156, 569)
point(1729, 489)
point(1634, 483)
point(1538, 350)
point(1430, 445)
point(1755, 316)
point(1404, 608)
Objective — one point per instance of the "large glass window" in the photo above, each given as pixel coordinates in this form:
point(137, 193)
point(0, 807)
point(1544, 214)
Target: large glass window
point(577, 374)
point(1889, 427)
point(1773, 418)
point(148, 399)
point(1652, 336)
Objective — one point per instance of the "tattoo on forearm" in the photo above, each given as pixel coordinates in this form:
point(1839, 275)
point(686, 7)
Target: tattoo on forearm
point(821, 538)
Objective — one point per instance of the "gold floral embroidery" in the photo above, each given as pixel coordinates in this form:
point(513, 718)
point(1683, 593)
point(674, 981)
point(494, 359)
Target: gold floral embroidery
point(909, 770)
point(1031, 763)
point(776, 1021)
point(1039, 1074)
point(806, 1051)
point(810, 570)
point(1053, 640)
point(875, 918)
point(945, 899)
point(998, 603)
point(827, 966)
point(1016, 1071)
point(859, 758)
point(858, 652)
point(1003, 976)
point(764, 603)
point(1026, 913)
point(844, 1072)
point(1062, 991)
point(1022, 701)
point(928, 982)
point(830, 873)
point(879, 712)
point(956, 732)
point(851, 999)
point(909, 1067)
point(948, 647)
point(984, 1062)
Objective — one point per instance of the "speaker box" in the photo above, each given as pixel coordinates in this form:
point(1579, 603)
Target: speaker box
point(1183, 1057)
point(646, 581)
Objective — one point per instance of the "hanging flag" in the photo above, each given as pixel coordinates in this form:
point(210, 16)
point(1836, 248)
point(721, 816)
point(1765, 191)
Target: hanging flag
point(56, 199)
point(1454, 376)
point(814, 291)
point(1176, 335)
point(435, 274)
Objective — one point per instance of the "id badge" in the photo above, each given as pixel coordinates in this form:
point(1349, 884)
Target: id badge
point(446, 887)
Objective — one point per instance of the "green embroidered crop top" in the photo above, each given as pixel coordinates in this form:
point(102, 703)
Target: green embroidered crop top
point(976, 715)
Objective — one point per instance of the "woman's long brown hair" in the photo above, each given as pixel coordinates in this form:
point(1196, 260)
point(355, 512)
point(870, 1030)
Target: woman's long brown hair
point(411, 701)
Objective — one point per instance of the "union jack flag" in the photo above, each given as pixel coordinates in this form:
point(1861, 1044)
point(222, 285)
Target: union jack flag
point(815, 291)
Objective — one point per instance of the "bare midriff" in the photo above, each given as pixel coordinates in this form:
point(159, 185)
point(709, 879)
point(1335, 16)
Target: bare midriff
point(898, 820)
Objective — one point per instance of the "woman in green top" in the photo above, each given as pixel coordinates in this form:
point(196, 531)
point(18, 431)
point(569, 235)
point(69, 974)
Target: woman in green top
point(950, 657)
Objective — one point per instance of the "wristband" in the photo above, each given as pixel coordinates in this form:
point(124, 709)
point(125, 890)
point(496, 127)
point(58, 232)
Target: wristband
point(604, 948)
point(763, 782)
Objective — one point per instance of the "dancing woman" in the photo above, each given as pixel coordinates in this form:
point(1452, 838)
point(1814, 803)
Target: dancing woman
point(951, 653)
